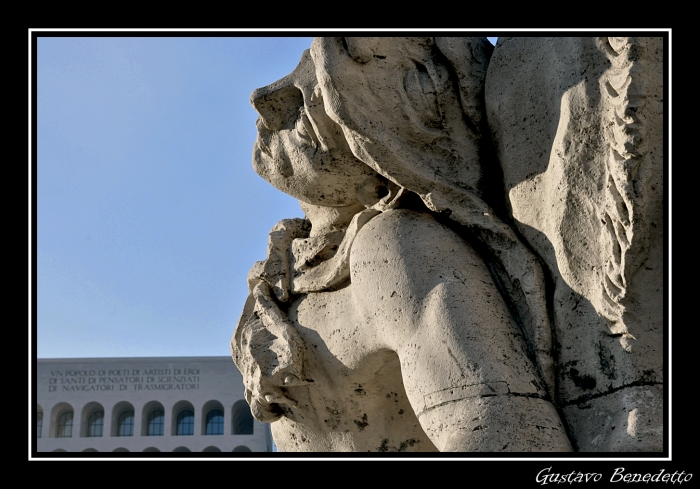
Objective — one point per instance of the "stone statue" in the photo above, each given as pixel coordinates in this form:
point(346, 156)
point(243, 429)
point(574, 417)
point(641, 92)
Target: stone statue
point(481, 264)
point(402, 314)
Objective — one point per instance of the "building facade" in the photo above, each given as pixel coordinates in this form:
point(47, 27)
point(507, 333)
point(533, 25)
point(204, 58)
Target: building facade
point(169, 404)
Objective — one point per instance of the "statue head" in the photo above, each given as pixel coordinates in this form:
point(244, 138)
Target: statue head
point(299, 149)
point(409, 109)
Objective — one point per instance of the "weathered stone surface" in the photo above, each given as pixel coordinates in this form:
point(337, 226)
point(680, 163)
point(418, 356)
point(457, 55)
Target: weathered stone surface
point(578, 128)
point(404, 313)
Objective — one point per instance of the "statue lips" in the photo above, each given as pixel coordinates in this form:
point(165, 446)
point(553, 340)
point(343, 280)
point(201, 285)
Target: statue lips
point(263, 133)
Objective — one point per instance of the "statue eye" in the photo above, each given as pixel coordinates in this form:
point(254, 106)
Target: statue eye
point(422, 94)
point(289, 379)
point(305, 129)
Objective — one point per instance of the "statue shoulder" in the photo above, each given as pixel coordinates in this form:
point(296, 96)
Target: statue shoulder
point(405, 243)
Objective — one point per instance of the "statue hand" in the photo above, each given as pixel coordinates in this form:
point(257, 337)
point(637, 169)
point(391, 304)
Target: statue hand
point(268, 351)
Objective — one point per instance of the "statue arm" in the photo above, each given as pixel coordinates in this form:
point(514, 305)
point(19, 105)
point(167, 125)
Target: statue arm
point(463, 359)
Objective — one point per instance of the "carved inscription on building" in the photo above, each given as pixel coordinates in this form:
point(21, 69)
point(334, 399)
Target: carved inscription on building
point(133, 379)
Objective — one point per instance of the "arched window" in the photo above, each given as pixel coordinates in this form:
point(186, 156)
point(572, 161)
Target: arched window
point(125, 424)
point(39, 423)
point(185, 423)
point(242, 423)
point(241, 448)
point(215, 422)
point(156, 423)
point(153, 416)
point(65, 425)
point(96, 423)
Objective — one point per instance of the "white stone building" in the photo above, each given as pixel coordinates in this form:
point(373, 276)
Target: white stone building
point(168, 404)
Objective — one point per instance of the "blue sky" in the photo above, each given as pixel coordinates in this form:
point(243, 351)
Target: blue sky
point(149, 214)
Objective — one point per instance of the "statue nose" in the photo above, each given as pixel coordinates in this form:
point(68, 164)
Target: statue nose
point(278, 104)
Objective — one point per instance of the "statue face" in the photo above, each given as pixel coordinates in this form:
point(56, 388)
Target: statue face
point(299, 149)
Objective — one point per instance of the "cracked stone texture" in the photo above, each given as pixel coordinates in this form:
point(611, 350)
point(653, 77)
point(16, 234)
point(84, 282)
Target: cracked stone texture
point(578, 130)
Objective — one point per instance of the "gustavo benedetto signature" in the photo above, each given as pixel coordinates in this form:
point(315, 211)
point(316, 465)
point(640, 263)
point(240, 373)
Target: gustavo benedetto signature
point(546, 476)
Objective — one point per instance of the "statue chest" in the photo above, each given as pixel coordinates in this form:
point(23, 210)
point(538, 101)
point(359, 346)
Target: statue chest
point(329, 325)
point(357, 400)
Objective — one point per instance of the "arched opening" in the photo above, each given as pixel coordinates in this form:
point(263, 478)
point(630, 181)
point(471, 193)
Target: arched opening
point(154, 416)
point(211, 449)
point(212, 418)
point(61, 421)
point(123, 419)
point(185, 423)
point(155, 423)
point(242, 419)
point(151, 449)
point(64, 426)
point(92, 420)
point(241, 448)
point(182, 449)
point(90, 450)
point(125, 424)
point(120, 449)
point(215, 422)
point(95, 424)
point(183, 419)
